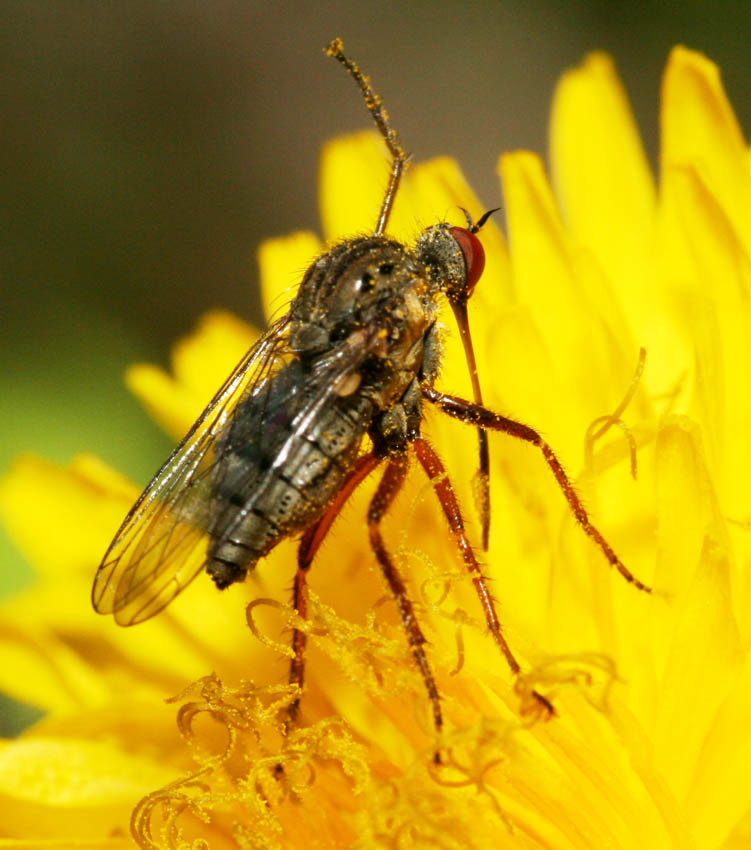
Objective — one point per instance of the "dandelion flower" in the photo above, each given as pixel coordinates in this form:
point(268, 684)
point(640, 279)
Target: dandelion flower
point(651, 742)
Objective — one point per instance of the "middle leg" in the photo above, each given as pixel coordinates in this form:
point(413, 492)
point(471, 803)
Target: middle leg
point(391, 483)
point(444, 490)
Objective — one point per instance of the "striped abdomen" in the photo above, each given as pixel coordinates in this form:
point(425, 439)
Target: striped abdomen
point(278, 468)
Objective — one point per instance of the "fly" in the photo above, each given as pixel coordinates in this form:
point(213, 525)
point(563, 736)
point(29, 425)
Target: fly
point(278, 451)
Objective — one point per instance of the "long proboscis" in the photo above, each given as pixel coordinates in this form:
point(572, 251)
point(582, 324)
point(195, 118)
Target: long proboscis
point(481, 480)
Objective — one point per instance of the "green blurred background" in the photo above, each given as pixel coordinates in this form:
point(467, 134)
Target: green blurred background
point(148, 147)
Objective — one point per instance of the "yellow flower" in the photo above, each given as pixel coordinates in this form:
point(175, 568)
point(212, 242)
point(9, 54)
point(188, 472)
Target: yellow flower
point(651, 743)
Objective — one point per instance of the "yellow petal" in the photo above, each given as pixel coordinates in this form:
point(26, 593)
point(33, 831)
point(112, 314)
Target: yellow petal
point(61, 787)
point(75, 658)
point(282, 264)
point(201, 363)
point(170, 405)
point(718, 797)
point(699, 129)
point(569, 301)
point(39, 669)
point(63, 518)
point(353, 177)
point(716, 307)
point(684, 507)
point(696, 674)
point(602, 179)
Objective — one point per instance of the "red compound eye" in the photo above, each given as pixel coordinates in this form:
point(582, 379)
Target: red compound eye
point(474, 256)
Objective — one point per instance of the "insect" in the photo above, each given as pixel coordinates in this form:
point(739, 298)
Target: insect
point(278, 451)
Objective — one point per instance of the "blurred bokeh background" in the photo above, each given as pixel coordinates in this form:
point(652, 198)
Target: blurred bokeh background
point(148, 146)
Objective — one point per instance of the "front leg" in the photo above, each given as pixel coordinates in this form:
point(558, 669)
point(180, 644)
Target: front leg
point(474, 414)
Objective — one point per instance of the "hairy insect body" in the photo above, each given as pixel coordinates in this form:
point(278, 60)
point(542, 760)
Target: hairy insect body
point(295, 437)
point(279, 449)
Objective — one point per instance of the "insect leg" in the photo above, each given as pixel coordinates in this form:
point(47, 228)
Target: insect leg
point(444, 490)
point(309, 545)
point(299, 641)
point(475, 414)
point(391, 483)
point(378, 113)
point(315, 535)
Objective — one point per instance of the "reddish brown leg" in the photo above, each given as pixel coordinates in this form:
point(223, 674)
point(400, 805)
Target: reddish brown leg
point(309, 545)
point(391, 483)
point(299, 641)
point(444, 490)
point(315, 535)
point(477, 415)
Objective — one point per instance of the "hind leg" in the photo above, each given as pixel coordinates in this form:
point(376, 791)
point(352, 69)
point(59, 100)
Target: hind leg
point(391, 483)
point(309, 545)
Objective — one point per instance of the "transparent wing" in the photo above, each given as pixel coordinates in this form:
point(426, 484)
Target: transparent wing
point(161, 545)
